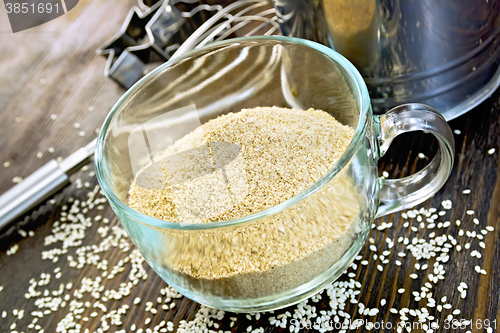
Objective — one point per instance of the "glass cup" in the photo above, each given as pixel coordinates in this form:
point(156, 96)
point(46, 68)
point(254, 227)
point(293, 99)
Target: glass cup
point(290, 251)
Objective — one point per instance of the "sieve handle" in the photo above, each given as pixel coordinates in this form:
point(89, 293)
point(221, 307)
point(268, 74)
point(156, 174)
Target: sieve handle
point(41, 184)
point(398, 194)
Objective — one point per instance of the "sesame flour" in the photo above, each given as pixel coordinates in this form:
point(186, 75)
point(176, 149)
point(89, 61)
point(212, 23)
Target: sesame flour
point(244, 163)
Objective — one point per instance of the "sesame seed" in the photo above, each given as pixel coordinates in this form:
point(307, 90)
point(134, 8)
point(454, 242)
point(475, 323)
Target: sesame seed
point(17, 180)
point(491, 151)
point(466, 191)
point(401, 290)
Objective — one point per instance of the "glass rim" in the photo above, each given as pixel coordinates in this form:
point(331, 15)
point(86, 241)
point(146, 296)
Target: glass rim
point(364, 105)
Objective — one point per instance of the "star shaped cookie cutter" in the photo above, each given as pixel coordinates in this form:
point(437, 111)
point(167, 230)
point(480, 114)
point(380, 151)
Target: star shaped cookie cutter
point(146, 37)
point(141, 40)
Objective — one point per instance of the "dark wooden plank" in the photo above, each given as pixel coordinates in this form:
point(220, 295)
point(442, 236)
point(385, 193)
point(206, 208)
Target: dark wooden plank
point(65, 61)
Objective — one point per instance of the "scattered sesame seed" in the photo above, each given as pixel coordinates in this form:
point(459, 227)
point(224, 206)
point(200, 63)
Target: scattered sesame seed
point(457, 131)
point(466, 191)
point(421, 155)
point(491, 151)
point(17, 180)
point(6, 164)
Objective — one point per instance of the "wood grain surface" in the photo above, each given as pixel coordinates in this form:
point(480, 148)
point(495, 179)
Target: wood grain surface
point(54, 70)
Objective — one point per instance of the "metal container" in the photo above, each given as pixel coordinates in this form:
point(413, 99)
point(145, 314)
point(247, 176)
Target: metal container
point(444, 53)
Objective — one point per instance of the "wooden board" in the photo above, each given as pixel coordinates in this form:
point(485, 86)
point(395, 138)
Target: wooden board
point(53, 69)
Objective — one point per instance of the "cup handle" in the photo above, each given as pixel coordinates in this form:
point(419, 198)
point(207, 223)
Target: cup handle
point(398, 194)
